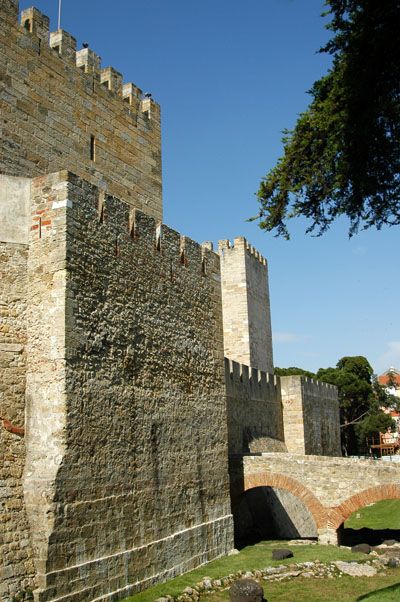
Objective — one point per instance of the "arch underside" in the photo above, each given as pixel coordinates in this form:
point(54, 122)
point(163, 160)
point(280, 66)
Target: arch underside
point(278, 481)
point(341, 513)
point(325, 517)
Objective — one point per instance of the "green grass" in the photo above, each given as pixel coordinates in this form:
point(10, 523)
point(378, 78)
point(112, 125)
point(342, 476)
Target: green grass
point(382, 515)
point(390, 593)
point(251, 557)
point(381, 588)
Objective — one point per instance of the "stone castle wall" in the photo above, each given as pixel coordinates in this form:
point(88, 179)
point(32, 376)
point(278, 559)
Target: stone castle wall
point(126, 480)
point(268, 413)
point(311, 416)
point(16, 567)
point(255, 421)
point(246, 307)
point(60, 110)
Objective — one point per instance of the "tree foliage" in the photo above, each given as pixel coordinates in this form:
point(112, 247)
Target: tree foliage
point(360, 400)
point(373, 423)
point(343, 156)
point(293, 371)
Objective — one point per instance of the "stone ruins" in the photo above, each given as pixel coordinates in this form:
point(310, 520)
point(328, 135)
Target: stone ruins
point(118, 410)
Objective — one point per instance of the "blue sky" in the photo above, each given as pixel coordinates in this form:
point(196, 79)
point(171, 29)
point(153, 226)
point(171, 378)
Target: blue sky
point(230, 75)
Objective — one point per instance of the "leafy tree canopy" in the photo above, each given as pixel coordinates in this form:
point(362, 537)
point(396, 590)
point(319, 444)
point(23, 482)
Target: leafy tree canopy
point(293, 371)
point(360, 400)
point(343, 156)
point(374, 423)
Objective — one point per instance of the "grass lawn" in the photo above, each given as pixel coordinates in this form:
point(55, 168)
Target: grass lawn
point(258, 557)
point(346, 589)
point(382, 515)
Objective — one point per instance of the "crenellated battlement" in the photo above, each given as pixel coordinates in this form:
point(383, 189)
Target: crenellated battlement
point(318, 388)
point(37, 24)
point(122, 226)
point(240, 244)
point(250, 377)
point(245, 383)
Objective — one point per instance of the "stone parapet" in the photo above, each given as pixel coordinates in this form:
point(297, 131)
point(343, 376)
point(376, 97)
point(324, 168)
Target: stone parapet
point(332, 481)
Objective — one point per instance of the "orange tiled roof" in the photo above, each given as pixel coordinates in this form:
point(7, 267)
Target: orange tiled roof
point(392, 374)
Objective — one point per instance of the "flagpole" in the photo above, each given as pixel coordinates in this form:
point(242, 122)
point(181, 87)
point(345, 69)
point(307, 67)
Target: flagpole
point(59, 14)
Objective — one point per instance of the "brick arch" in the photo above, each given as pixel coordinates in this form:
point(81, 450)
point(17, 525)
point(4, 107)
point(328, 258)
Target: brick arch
point(339, 514)
point(266, 479)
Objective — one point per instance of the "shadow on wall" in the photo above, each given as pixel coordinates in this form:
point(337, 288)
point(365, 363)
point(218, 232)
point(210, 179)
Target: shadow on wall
point(271, 513)
point(374, 537)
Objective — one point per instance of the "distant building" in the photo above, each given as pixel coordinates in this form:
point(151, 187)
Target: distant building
point(391, 379)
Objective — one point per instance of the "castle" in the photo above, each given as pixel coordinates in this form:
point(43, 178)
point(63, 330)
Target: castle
point(118, 410)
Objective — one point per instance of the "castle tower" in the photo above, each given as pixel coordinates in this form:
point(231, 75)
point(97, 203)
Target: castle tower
point(69, 113)
point(245, 305)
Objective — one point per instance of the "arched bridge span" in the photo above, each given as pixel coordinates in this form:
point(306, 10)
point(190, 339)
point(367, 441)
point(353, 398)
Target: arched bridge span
point(331, 488)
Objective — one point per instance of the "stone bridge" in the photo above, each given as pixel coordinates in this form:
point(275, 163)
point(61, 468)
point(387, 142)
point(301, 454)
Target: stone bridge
point(331, 488)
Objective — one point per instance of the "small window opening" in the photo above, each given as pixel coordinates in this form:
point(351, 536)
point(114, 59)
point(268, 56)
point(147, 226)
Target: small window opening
point(40, 227)
point(204, 266)
point(57, 49)
point(93, 84)
point(83, 68)
point(39, 45)
point(117, 247)
point(92, 148)
point(183, 257)
point(27, 25)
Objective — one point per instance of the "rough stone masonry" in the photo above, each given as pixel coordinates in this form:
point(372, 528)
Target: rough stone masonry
point(116, 408)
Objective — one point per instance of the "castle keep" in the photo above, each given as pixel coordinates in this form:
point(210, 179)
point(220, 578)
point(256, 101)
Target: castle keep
point(118, 410)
